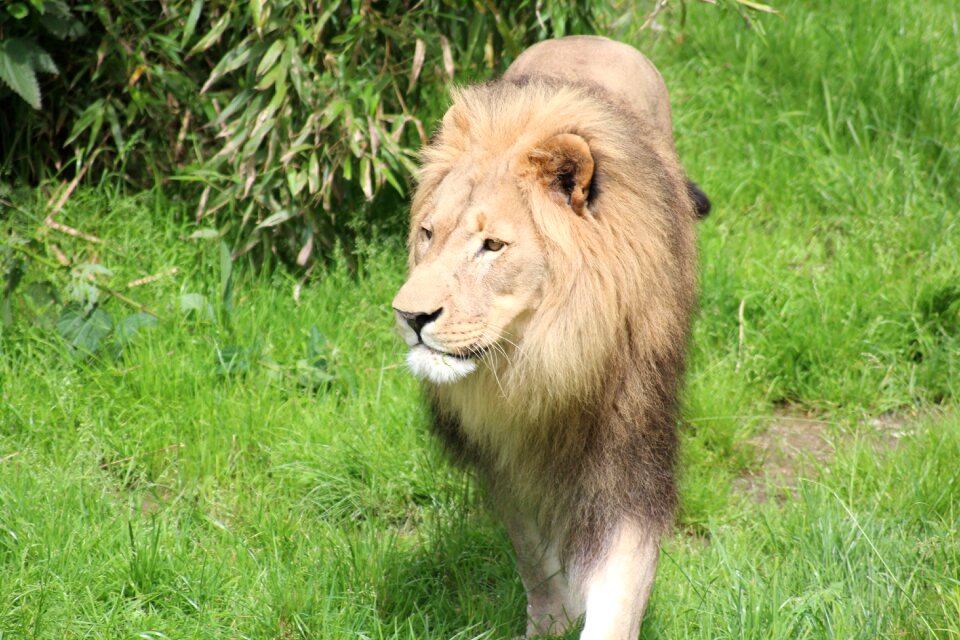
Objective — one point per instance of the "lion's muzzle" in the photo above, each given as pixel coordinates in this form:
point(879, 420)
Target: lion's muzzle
point(427, 358)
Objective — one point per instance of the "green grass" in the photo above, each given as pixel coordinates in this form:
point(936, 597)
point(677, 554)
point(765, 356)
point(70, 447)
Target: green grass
point(238, 475)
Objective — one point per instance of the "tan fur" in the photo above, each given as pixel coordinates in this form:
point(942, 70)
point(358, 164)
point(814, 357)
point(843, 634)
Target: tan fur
point(582, 317)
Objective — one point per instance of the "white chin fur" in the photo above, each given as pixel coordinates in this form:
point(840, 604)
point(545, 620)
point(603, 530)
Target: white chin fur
point(427, 364)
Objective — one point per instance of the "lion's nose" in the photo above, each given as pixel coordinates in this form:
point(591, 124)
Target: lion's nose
point(418, 320)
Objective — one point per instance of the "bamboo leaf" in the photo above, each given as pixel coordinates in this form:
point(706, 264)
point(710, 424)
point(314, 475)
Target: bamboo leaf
point(366, 182)
point(313, 174)
point(269, 58)
point(213, 36)
point(241, 100)
point(757, 6)
point(277, 218)
point(419, 54)
point(115, 130)
point(234, 59)
point(226, 277)
point(305, 251)
point(256, 10)
point(191, 25)
point(447, 56)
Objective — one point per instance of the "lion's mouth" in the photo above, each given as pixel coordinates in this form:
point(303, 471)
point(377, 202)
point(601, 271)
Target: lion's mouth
point(441, 367)
point(471, 353)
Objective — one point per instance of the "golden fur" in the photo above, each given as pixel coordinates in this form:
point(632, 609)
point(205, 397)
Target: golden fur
point(576, 326)
point(625, 267)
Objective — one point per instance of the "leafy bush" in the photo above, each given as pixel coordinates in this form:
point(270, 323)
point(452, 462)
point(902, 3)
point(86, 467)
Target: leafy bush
point(22, 58)
point(286, 116)
point(324, 105)
point(284, 120)
point(119, 98)
point(26, 31)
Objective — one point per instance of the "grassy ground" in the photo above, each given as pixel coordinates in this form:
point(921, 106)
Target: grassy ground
point(259, 467)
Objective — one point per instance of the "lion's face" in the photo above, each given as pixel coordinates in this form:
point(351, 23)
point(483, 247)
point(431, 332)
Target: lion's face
point(478, 261)
point(477, 271)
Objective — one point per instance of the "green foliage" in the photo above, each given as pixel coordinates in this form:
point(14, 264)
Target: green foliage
point(73, 290)
point(115, 106)
point(288, 117)
point(69, 300)
point(324, 106)
point(33, 37)
point(20, 60)
point(21, 57)
point(293, 124)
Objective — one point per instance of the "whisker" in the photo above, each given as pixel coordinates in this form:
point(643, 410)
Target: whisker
point(496, 378)
point(493, 341)
point(518, 350)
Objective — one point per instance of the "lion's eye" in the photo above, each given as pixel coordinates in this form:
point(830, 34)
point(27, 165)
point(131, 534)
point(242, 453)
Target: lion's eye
point(426, 233)
point(493, 245)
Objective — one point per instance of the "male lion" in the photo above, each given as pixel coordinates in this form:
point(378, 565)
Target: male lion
point(552, 277)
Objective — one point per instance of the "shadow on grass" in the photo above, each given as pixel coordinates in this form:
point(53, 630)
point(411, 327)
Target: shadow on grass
point(459, 580)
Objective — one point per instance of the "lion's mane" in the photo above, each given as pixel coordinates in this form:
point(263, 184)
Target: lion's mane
point(579, 417)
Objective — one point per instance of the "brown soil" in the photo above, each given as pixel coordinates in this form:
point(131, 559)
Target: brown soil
point(802, 446)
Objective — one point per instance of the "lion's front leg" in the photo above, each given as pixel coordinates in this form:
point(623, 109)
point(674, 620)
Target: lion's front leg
point(553, 603)
point(617, 587)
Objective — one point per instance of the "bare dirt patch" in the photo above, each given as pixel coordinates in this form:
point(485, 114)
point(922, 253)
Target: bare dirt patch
point(802, 446)
point(791, 446)
point(890, 428)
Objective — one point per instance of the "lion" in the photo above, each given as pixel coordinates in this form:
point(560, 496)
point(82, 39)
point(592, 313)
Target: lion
point(552, 276)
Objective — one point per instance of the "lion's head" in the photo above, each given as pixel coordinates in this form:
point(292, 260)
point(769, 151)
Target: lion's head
point(478, 271)
point(544, 234)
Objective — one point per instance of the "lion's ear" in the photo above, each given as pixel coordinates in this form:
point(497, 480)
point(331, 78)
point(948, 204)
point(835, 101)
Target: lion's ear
point(564, 165)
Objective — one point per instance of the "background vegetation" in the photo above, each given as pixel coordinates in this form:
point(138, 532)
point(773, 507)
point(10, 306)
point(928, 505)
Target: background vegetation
point(193, 448)
point(289, 117)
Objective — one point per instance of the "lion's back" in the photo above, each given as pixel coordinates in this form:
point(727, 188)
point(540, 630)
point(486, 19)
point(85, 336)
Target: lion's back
point(622, 71)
